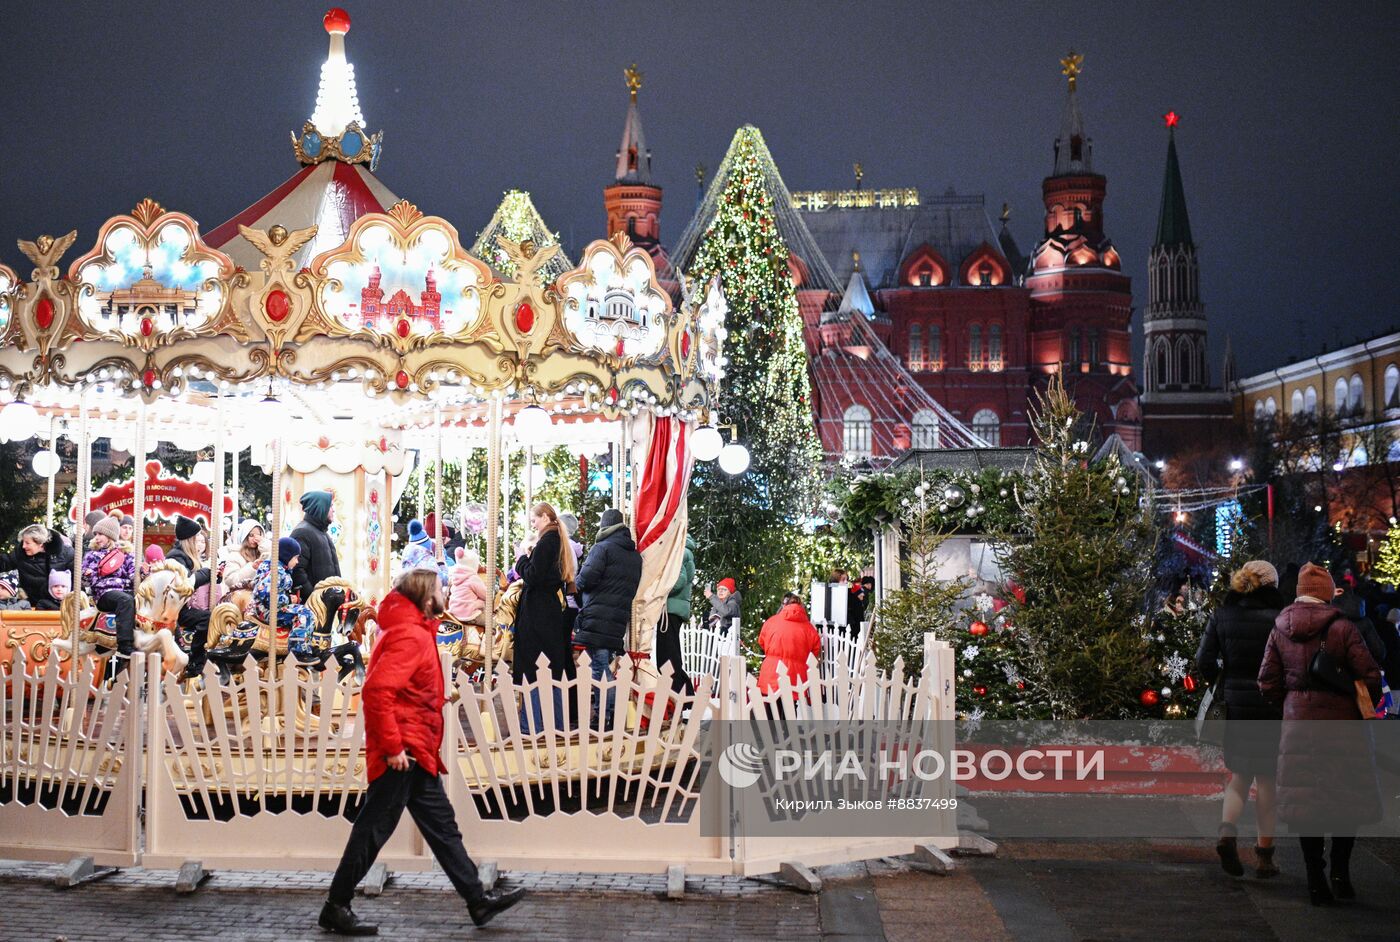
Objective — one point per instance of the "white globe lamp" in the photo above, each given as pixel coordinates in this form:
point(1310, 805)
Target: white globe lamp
point(203, 473)
point(706, 443)
point(539, 476)
point(734, 458)
point(46, 463)
point(532, 425)
point(19, 420)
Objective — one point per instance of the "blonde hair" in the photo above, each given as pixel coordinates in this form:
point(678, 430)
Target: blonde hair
point(566, 552)
point(191, 548)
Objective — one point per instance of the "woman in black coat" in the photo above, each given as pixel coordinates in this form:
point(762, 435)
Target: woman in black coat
point(547, 571)
point(38, 552)
point(1232, 649)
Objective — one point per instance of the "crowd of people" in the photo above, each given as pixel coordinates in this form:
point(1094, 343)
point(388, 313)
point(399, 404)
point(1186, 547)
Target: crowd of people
point(1286, 654)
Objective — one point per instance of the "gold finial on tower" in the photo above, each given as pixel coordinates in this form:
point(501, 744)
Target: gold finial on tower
point(855, 253)
point(1071, 66)
point(1005, 213)
point(634, 79)
point(860, 173)
point(700, 174)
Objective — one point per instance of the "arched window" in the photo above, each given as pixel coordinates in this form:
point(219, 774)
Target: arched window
point(1159, 375)
point(1258, 410)
point(916, 347)
point(925, 429)
point(987, 426)
point(994, 359)
point(1392, 387)
point(1183, 357)
point(1095, 341)
point(1310, 400)
point(1339, 397)
point(1270, 407)
point(855, 432)
point(1356, 394)
point(974, 347)
point(1074, 336)
point(1295, 406)
point(933, 360)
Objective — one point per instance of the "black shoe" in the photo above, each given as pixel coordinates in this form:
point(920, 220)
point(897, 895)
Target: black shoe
point(1341, 886)
point(342, 921)
point(1265, 857)
point(1229, 855)
point(493, 904)
point(1318, 893)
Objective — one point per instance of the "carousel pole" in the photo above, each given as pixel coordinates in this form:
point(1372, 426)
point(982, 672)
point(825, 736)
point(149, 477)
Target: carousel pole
point(84, 502)
point(529, 477)
point(216, 507)
point(493, 509)
point(237, 456)
point(422, 485)
point(437, 487)
point(53, 447)
point(276, 524)
point(138, 500)
point(503, 488)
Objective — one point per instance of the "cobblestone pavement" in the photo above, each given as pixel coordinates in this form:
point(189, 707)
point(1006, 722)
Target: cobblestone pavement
point(1060, 890)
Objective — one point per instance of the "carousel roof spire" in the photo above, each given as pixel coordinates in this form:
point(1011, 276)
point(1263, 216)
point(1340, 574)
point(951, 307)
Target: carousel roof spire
point(335, 130)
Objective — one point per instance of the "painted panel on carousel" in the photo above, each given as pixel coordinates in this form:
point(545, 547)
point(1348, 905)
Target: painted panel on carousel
point(613, 303)
point(403, 275)
point(711, 332)
point(150, 274)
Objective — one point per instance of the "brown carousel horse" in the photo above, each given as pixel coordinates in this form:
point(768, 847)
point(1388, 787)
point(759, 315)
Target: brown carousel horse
point(162, 594)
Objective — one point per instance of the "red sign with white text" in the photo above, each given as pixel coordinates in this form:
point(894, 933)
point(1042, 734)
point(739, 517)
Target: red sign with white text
point(166, 495)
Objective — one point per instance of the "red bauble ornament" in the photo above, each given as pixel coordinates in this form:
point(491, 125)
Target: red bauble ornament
point(980, 690)
point(336, 20)
point(978, 629)
point(277, 305)
point(524, 317)
point(1189, 683)
point(403, 327)
point(401, 379)
point(1020, 685)
point(1150, 698)
point(43, 313)
point(148, 327)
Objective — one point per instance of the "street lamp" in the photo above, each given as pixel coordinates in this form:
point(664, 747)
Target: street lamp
point(1236, 464)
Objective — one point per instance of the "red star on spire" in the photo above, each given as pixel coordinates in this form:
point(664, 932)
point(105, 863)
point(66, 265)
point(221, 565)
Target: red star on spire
point(1171, 117)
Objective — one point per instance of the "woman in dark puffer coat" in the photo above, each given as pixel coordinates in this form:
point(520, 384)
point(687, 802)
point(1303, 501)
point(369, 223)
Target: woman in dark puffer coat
point(1326, 773)
point(1232, 648)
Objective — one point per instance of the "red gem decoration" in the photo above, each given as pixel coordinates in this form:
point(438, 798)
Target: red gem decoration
point(374, 497)
point(978, 629)
point(1172, 119)
point(980, 690)
point(621, 346)
point(524, 317)
point(1189, 683)
point(612, 395)
point(147, 327)
point(373, 565)
point(685, 346)
point(43, 313)
point(401, 379)
point(402, 327)
point(148, 378)
point(323, 442)
point(383, 444)
point(336, 20)
point(277, 305)
point(1150, 698)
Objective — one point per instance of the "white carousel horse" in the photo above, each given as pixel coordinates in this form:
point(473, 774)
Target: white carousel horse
point(158, 602)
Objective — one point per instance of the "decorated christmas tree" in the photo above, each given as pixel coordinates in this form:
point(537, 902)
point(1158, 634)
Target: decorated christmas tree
point(988, 660)
point(1388, 562)
point(753, 526)
point(1081, 555)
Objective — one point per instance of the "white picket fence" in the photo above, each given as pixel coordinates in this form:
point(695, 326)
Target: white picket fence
point(702, 647)
point(257, 774)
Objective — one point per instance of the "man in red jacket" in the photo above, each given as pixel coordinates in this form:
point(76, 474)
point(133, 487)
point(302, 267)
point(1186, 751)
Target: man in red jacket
point(403, 700)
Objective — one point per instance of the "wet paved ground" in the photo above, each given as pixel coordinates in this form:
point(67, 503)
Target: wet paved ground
point(1052, 890)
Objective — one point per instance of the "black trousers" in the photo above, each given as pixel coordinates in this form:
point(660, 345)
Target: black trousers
point(385, 801)
point(194, 622)
point(1342, 845)
point(668, 651)
point(123, 606)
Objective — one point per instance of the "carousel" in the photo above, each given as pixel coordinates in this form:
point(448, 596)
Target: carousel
point(347, 342)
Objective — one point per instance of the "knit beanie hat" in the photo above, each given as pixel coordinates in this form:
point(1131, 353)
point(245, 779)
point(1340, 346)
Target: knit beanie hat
point(416, 534)
point(60, 577)
point(185, 528)
point(727, 584)
point(154, 554)
point(1254, 575)
point(286, 549)
point(1316, 582)
point(128, 521)
point(107, 527)
point(611, 518)
point(570, 523)
point(93, 518)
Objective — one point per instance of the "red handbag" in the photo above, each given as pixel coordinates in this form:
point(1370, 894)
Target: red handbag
point(112, 563)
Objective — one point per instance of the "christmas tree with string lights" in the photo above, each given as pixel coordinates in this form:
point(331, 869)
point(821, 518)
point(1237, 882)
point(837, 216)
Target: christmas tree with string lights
point(1388, 561)
point(752, 526)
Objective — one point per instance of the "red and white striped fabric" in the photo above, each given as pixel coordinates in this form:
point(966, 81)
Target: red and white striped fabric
point(331, 195)
point(660, 515)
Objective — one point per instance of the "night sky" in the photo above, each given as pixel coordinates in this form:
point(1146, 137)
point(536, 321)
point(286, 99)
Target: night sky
point(1288, 138)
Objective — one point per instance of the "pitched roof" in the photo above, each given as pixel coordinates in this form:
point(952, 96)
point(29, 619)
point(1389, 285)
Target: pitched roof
point(1074, 151)
point(954, 225)
point(791, 227)
point(517, 219)
point(1173, 225)
point(856, 299)
point(633, 158)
